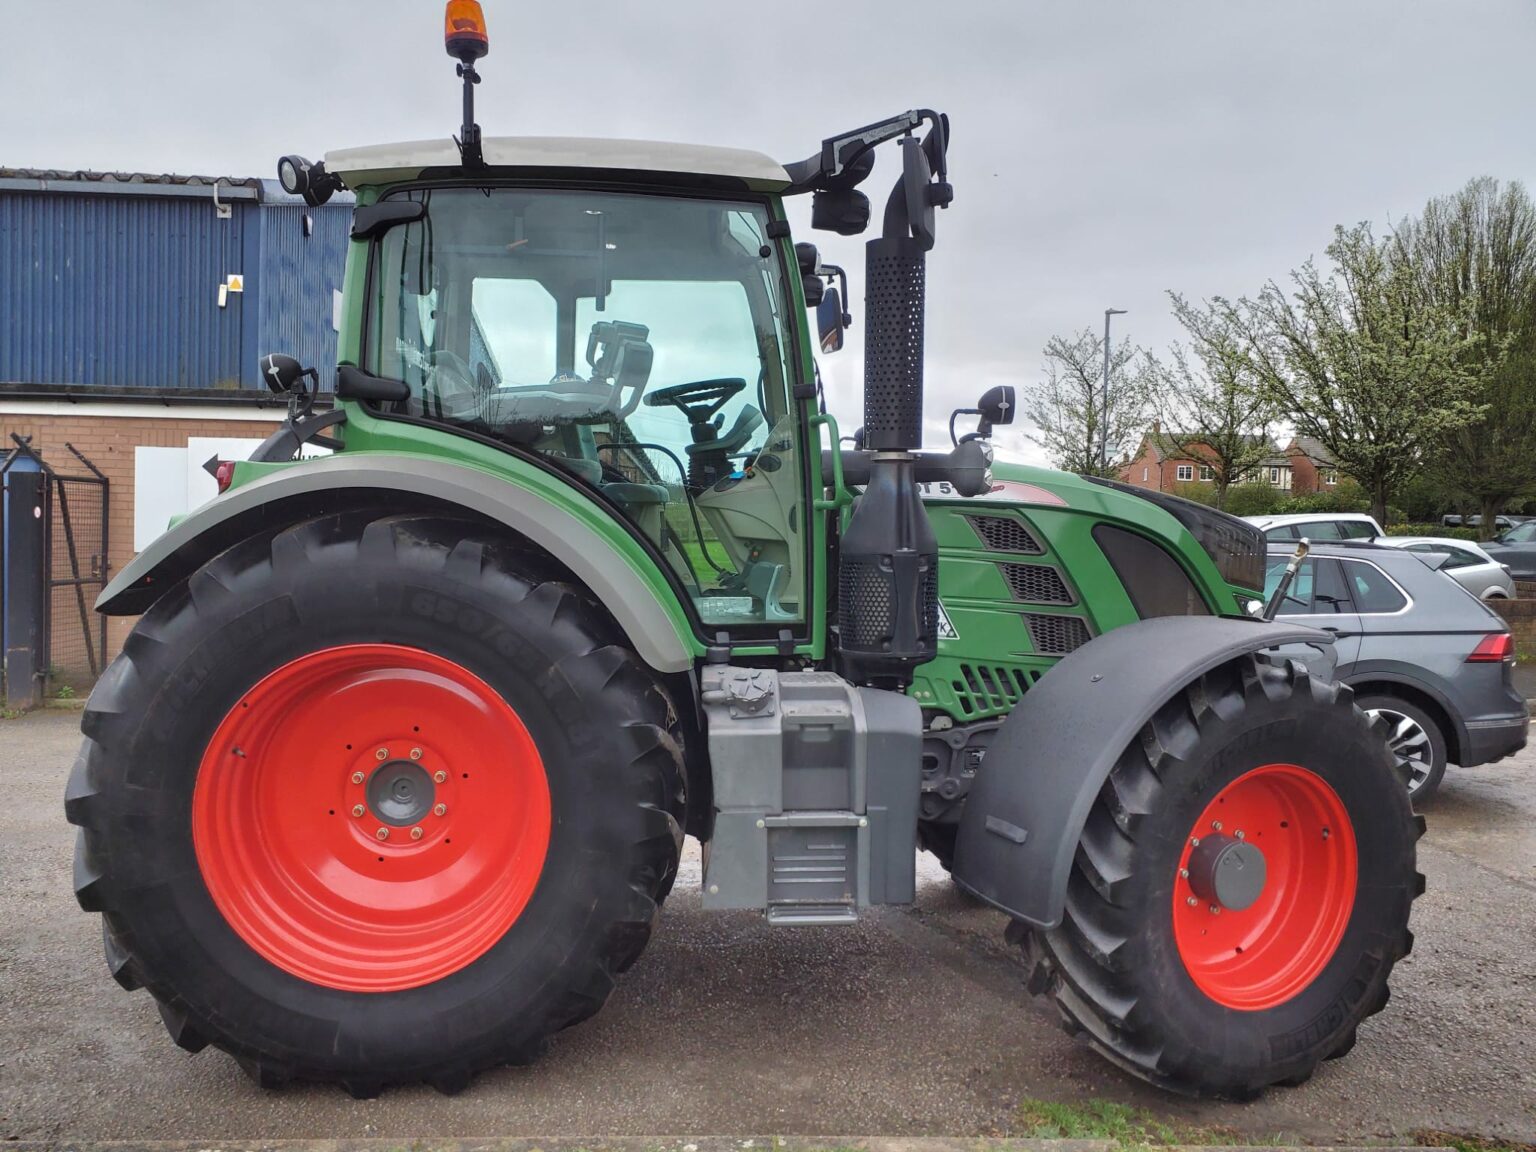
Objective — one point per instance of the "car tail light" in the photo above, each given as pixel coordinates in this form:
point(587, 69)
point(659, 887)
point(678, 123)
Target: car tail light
point(1493, 649)
point(224, 474)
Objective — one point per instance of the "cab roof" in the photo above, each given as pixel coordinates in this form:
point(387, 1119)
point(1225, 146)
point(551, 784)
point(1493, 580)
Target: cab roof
point(387, 163)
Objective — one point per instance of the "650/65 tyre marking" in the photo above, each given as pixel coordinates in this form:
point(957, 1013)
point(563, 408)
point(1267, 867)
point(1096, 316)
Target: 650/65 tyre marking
point(450, 843)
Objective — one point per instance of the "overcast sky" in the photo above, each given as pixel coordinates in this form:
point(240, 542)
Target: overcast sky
point(1102, 153)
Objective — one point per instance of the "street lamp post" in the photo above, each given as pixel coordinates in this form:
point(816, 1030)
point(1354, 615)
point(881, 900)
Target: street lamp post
point(1104, 424)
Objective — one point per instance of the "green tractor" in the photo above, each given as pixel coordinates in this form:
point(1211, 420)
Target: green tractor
point(391, 778)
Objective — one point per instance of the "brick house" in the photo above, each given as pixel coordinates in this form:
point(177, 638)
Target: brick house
point(1162, 464)
point(1313, 468)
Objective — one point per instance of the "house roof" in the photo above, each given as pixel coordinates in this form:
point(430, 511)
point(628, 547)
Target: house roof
point(1165, 445)
point(1312, 449)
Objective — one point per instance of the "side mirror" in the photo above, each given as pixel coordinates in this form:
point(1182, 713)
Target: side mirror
point(829, 319)
point(284, 374)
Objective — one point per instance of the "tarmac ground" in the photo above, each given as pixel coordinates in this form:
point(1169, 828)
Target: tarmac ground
point(914, 1023)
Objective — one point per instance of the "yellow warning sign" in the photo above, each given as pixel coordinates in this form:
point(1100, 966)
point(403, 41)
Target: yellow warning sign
point(235, 282)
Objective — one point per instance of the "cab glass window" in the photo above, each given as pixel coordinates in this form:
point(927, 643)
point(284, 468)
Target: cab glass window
point(636, 342)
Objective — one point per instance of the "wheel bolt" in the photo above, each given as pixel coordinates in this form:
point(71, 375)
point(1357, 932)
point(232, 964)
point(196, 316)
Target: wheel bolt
point(381, 754)
point(415, 833)
point(1325, 833)
point(358, 810)
point(1216, 824)
point(1238, 833)
point(415, 753)
point(357, 777)
point(1194, 841)
point(1191, 901)
point(440, 776)
point(1215, 909)
point(382, 833)
point(1183, 873)
point(440, 810)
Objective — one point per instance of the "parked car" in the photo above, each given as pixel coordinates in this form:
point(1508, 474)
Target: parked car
point(1465, 562)
point(1517, 549)
point(1420, 651)
point(1317, 526)
point(1502, 523)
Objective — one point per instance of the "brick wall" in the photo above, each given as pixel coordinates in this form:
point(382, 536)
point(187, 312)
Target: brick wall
point(109, 442)
point(1520, 615)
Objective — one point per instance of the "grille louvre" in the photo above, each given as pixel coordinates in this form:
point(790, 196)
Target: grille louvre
point(1037, 584)
point(1005, 534)
point(1056, 635)
point(991, 688)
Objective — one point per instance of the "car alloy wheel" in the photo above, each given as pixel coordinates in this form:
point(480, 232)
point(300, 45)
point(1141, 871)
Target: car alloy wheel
point(1410, 744)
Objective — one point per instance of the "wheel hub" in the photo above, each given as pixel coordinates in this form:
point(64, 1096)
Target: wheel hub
point(1227, 872)
point(371, 817)
point(400, 793)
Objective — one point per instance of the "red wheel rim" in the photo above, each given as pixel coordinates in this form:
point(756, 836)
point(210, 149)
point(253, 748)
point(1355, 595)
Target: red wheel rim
point(432, 757)
point(1256, 957)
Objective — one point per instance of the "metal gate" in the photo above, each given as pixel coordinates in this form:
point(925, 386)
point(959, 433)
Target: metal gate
point(55, 564)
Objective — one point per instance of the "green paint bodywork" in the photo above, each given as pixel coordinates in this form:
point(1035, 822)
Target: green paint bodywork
point(982, 668)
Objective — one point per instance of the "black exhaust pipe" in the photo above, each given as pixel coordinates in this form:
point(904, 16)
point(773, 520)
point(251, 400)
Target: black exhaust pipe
point(889, 558)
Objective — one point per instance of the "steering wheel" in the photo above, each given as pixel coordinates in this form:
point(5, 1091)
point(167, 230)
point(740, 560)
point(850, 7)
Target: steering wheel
point(699, 399)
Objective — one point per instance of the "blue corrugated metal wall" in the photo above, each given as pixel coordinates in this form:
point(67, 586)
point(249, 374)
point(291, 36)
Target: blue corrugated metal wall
point(298, 277)
point(122, 291)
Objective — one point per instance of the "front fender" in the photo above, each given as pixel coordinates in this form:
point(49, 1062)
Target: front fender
point(565, 524)
point(1044, 768)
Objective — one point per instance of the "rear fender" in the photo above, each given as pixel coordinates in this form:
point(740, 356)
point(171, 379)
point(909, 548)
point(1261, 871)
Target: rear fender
point(1028, 806)
point(568, 529)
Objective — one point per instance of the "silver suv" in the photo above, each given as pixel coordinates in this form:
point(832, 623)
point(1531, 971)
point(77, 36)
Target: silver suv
point(1418, 649)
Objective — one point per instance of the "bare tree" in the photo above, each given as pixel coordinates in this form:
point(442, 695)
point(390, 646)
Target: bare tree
point(1475, 253)
point(1364, 360)
point(1214, 406)
point(1082, 429)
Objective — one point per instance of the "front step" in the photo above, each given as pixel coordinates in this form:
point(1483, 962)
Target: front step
point(792, 916)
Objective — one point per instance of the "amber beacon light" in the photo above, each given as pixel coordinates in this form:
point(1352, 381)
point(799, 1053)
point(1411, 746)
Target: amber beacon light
point(464, 30)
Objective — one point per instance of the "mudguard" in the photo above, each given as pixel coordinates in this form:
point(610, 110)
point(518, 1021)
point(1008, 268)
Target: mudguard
point(655, 624)
point(1025, 812)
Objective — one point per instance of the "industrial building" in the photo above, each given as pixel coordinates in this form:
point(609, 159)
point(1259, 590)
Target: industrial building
point(133, 311)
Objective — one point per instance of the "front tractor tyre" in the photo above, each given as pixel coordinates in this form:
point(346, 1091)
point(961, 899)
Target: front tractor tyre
point(373, 800)
point(1241, 890)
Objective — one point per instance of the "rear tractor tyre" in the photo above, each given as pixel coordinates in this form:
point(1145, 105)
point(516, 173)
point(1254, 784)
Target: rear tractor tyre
point(1241, 890)
point(368, 801)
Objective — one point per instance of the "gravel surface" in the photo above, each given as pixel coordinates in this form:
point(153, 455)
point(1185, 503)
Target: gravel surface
point(912, 1023)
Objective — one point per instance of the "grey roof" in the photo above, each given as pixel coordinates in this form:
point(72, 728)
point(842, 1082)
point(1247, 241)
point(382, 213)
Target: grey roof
point(1312, 448)
point(56, 180)
point(383, 162)
point(1165, 444)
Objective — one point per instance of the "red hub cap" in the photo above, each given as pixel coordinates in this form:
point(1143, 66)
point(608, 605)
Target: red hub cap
point(1265, 888)
point(371, 817)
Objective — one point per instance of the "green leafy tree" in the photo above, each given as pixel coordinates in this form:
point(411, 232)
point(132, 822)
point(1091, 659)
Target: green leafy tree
point(1364, 360)
point(1214, 407)
point(1072, 420)
point(1475, 255)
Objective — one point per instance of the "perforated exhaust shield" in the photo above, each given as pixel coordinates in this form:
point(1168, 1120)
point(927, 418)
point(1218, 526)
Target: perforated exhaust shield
point(893, 344)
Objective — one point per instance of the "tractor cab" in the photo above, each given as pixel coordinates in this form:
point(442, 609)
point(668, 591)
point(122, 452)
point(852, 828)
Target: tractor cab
point(634, 330)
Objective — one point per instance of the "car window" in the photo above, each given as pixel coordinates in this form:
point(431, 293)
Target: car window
point(1371, 590)
point(1459, 558)
point(1356, 529)
point(1298, 597)
point(1320, 530)
point(1521, 533)
point(1331, 594)
point(1284, 534)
